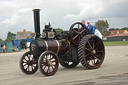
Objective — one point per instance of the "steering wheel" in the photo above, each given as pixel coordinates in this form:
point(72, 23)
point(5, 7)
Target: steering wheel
point(77, 32)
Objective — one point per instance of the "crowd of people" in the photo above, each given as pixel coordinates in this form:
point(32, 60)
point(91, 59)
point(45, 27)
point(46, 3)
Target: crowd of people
point(92, 29)
point(3, 48)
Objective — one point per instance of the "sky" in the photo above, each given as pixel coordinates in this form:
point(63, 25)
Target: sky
point(16, 15)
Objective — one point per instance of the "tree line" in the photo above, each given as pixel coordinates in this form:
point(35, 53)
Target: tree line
point(102, 25)
point(113, 29)
point(10, 36)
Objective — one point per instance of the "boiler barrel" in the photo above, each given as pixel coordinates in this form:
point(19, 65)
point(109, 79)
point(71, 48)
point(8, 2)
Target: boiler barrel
point(57, 46)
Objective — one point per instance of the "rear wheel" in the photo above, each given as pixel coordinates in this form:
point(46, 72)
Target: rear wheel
point(91, 52)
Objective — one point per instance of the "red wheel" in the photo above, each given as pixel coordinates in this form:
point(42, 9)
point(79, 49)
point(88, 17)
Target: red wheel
point(48, 63)
point(28, 63)
point(91, 51)
point(77, 31)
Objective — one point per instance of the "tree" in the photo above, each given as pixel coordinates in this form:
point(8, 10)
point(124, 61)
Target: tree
point(113, 29)
point(106, 33)
point(1, 39)
point(10, 36)
point(102, 25)
point(125, 28)
point(59, 30)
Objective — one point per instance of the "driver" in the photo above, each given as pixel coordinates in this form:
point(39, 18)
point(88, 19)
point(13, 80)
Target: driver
point(83, 22)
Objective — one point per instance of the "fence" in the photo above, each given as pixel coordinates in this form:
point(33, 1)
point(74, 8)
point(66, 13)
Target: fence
point(9, 44)
point(117, 38)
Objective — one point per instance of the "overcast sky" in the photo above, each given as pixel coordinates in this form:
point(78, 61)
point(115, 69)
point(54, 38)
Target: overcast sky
point(16, 15)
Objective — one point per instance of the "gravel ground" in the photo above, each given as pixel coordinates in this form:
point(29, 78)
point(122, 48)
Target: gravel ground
point(114, 71)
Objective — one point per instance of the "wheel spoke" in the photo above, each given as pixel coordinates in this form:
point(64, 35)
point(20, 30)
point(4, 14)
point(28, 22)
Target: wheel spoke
point(25, 59)
point(75, 30)
point(48, 69)
point(87, 49)
point(93, 45)
point(92, 62)
point(81, 36)
point(29, 56)
point(75, 37)
point(44, 63)
point(32, 68)
point(97, 58)
point(79, 39)
point(27, 67)
point(24, 64)
point(82, 31)
point(53, 61)
point(52, 67)
point(78, 27)
point(51, 57)
point(88, 61)
point(87, 54)
point(45, 67)
point(99, 51)
point(90, 45)
point(96, 44)
point(46, 58)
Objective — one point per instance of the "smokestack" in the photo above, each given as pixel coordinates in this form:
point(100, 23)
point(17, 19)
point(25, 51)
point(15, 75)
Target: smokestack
point(36, 13)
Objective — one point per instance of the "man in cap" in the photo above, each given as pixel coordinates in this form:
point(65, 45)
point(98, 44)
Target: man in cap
point(90, 28)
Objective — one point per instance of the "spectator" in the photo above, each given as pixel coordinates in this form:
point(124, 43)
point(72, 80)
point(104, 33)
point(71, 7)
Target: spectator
point(1, 46)
point(19, 48)
point(6, 48)
point(97, 32)
point(90, 28)
point(0, 49)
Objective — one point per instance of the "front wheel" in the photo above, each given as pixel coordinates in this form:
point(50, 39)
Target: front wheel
point(28, 63)
point(48, 63)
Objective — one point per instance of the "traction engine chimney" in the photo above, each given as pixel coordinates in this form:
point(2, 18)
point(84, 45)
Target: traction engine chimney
point(36, 13)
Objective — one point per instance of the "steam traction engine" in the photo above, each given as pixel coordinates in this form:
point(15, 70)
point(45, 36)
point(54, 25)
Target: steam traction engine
point(68, 48)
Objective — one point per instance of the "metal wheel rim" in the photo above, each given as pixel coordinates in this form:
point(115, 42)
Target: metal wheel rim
point(48, 64)
point(28, 64)
point(94, 52)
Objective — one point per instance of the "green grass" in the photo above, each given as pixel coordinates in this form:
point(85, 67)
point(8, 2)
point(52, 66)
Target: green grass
point(116, 43)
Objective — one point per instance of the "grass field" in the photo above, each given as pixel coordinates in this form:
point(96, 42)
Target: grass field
point(116, 43)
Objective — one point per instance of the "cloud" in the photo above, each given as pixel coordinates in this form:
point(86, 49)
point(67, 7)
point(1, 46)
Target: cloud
point(10, 21)
point(102, 9)
point(87, 10)
point(17, 15)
